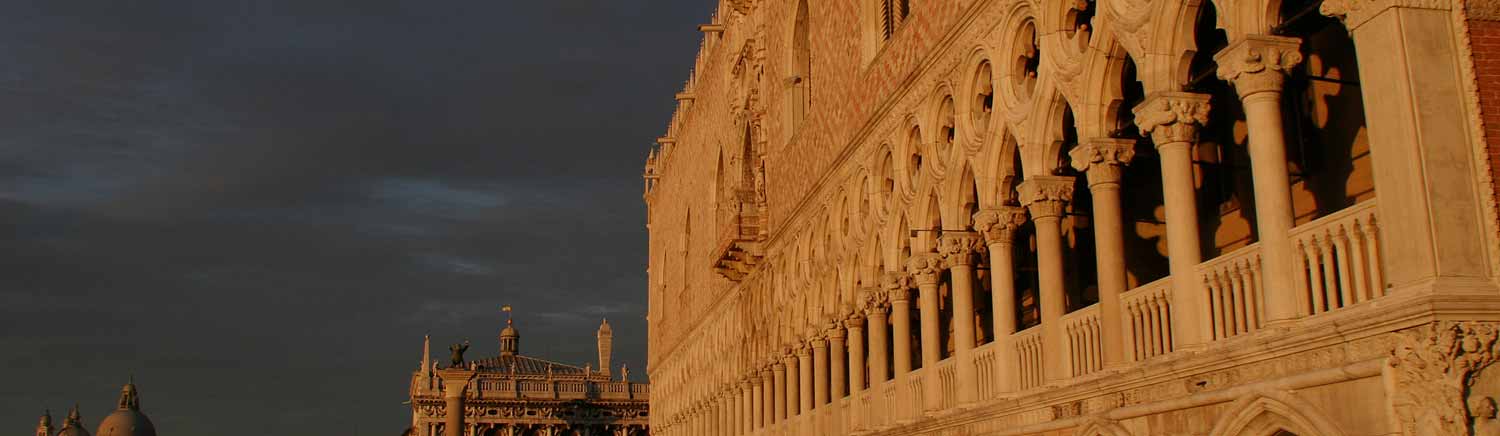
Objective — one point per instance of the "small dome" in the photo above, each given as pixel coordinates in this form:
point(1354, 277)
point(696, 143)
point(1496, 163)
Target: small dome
point(127, 419)
point(73, 426)
point(509, 331)
point(126, 423)
point(510, 340)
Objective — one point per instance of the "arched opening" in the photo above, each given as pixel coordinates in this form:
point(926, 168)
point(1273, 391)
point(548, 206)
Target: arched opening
point(1324, 117)
point(801, 100)
point(1225, 190)
point(1079, 260)
point(984, 96)
point(1143, 208)
point(947, 127)
point(983, 307)
point(914, 161)
point(1025, 281)
point(1026, 61)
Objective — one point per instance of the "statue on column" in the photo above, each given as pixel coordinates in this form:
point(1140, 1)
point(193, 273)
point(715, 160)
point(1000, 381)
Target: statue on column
point(458, 354)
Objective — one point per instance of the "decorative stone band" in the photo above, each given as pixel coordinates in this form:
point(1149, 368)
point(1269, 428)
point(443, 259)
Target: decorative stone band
point(1355, 13)
point(1046, 196)
point(925, 268)
point(1172, 117)
point(1258, 63)
point(958, 248)
point(998, 225)
point(1103, 158)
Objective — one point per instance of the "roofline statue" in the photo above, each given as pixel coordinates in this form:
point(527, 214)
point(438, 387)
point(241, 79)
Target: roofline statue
point(458, 354)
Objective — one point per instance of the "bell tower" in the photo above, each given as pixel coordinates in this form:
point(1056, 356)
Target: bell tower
point(606, 345)
point(44, 428)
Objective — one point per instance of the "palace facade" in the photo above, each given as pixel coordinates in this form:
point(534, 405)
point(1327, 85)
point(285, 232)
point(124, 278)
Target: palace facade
point(1084, 217)
point(510, 394)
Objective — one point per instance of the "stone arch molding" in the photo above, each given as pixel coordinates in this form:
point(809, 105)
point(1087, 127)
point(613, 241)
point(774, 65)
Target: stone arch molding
point(1102, 427)
point(1264, 413)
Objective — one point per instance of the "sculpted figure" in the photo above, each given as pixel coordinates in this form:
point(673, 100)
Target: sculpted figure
point(458, 353)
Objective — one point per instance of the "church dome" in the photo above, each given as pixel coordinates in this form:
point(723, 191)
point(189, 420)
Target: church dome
point(73, 426)
point(510, 340)
point(127, 419)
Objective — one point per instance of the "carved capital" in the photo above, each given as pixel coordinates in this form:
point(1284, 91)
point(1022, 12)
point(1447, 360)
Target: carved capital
point(958, 248)
point(925, 268)
point(1102, 159)
point(1258, 63)
point(897, 286)
point(1046, 196)
point(1172, 117)
point(999, 225)
point(856, 321)
point(1434, 365)
point(803, 349)
point(835, 331)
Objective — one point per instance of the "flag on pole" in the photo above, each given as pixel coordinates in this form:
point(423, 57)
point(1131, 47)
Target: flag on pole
point(505, 308)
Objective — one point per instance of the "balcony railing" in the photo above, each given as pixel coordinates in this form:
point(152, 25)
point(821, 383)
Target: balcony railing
point(1338, 260)
point(947, 373)
point(1148, 310)
point(1027, 350)
point(1085, 346)
point(915, 394)
point(987, 367)
point(1233, 282)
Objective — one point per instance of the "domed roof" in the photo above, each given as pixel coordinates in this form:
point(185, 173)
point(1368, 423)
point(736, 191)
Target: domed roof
point(509, 331)
point(73, 426)
point(127, 420)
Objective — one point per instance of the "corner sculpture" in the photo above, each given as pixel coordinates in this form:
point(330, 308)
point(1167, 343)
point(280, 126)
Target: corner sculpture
point(458, 354)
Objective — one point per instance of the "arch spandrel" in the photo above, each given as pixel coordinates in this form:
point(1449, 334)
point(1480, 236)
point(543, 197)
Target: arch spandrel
point(1265, 413)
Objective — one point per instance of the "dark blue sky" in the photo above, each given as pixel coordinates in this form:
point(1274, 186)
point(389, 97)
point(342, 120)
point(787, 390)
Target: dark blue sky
point(259, 207)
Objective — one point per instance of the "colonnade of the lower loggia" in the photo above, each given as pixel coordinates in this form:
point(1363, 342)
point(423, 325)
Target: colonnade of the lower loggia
point(797, 382)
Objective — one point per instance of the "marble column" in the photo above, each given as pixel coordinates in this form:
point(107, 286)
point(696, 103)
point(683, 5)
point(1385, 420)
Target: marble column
point(998, 225)
point(455, 386)
point(925, 270)
point(737, 418)
point(958, 250)
point(805, 377)
point(1257, 65)
point(854, 325)
point(1173, 119)
point(747, 398)
point(898, 290)
point(838, 368)
point(875, 317)
point(768, 400)
point(778, 403)
point(820, 371)
point(1103, 160)
point(1047, 197)
point(757, 398)
point(793, 385)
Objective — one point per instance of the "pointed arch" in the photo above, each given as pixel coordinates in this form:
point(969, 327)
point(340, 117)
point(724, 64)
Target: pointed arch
point(1267, 413)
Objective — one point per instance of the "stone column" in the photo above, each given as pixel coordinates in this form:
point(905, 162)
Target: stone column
point(999, 228)
point(757, 398)
point(768, 402)
point(1421, 146)
point(1103, 160)
point(737, 417)
point(820, 371)
point(898, 289)
point(778, 379)
point(793, 385)
point(1173, 119)
point(1257, 65)
point(1046, 197)
point(455, 385)
point(837, 362)
point(925, 269)
point(747, 405)
point(855, 325)
point(805, 376)
point(875, 315)
point(958, 249)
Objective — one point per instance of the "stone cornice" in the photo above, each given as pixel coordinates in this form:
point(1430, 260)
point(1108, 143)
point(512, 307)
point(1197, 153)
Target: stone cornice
point(1258, 63)
point(1172, 117)
point(1355, 13)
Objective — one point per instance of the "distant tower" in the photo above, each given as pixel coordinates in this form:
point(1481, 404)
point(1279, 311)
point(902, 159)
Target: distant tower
point(606, 344)
point(44, 428)
point(127, 419)
point(426, 368)
point(510, 341)
point(73, 426)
